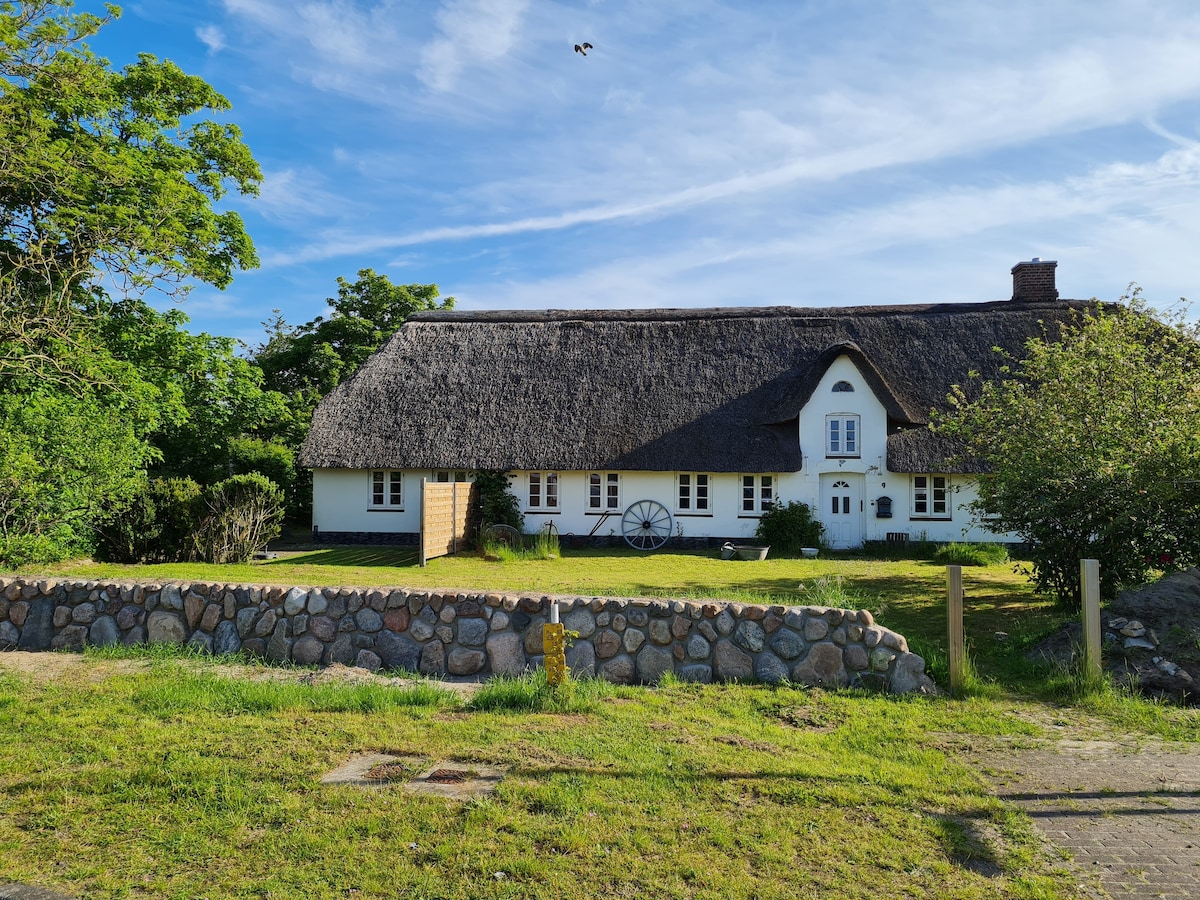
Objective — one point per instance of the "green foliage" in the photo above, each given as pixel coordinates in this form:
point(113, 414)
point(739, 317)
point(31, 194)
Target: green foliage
point(497, 503)
point(543, 545)
point(108, 178)
point(832, 591)
point(532, 693)
point(789, 527)
point(158, 524)
point(270, 458)
point(1091, 442)
point(241, 514)
point(986, 554)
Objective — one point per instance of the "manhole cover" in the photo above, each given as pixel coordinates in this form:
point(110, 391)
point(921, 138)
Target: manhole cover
point(388, 772)
point(447, 776)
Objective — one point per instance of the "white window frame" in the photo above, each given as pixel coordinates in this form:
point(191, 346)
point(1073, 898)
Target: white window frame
point(757, 494)
point(931, 497)
point(542, 492)
point(843, 436)
point(385, 490)
point(603, 493)
point(693, 494)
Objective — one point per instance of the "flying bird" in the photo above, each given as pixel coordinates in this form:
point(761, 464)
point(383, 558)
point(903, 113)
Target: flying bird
point(583, 48)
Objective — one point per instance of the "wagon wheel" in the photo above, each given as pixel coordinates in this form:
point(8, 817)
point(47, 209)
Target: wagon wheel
point(646, 525)
point(503, 534)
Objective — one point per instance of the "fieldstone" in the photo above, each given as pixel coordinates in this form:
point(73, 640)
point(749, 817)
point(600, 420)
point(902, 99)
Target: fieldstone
point(881, 658)
point(212, 615)
point(698, 647)
point(226, 640)
point(266, 625)
point(433, 659)
point(170, 597)
point(322, 628)
point(788, 644)
point(445, 634)
point(856, 657)
point(295, 601)
point(18, 612)
point(815, 629)
point(316, 603)
point(660, 632)
point(749, 636)
point(520, 620)
point(341, 651)
point(84, 614)
point(397, 652)
point(104, 632)
point(607, 644)
point(73, 637)
point(230, 605)
point(854, 633)
point(772, 622)
point(580, 620)
point(725, 624)
point(794, 618)
point(619, 670)
point(706, 629)
point(654, 662)
point(865, 617)
point(62, 615)
point(245, 619)
point(895, 641)
point(397, 619)
point(1139, 643)
point(823, 667)
point(581, 660)
point(698, 673)
point(633, 640)
point(1133, 629)
point(354, 602)
point(908, 676)
point(472, 632)
point(835, 616)
point(680, 626)
point(336, 608)
point(377, 600)
point(368, 660)
point(193, 608)
point(638, 617)
point(279, 647)
point(506, 654)
point(299, 625)
point(307, 651)
point(201, 641)
point(839, 636)
point(368, 620)
point(256, 647)
point(872, 636)
point(603, 619)
point(499, 620)
point(420, 629)
point(164, 627)
point(533, 642)
point(447, 615)
point(619, 622)
point(770, 668)
point(8, 636)
point(730, 663)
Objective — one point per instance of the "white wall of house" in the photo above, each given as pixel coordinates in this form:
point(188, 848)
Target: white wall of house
point(342, 501)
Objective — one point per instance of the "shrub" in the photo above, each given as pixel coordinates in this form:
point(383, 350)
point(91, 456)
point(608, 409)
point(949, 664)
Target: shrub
point(497, 505)
point(971, 554)
point(242, 514)
point(156, 524)
point(787, 528)
point(19, 550)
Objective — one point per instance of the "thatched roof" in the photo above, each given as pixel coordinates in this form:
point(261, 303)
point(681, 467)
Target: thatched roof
point(712, 390)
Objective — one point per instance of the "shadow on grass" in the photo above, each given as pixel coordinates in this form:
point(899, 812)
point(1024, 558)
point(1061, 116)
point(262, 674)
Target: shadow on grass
point(398, 557)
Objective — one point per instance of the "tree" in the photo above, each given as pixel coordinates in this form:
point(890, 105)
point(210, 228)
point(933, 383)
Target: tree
point(108, 182)
point(1091, 446)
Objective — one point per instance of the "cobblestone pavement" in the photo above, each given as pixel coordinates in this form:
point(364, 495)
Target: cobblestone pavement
point(1128, 814)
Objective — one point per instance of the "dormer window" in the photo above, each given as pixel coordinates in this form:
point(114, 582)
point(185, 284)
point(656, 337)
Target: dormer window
point(841, 435)
point(843, 387)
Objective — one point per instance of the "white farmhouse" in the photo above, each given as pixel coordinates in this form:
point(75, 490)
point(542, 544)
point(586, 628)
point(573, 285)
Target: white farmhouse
point(686, 423)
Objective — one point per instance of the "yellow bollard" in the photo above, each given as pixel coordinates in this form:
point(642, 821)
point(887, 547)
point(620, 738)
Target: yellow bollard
point(554, 645)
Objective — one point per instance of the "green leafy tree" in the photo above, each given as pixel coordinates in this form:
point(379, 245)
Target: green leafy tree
point(108, 182)
point(1091, 445)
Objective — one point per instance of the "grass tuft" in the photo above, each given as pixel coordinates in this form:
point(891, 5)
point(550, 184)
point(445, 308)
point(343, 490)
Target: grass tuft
point(532, 693)
point(989, 554)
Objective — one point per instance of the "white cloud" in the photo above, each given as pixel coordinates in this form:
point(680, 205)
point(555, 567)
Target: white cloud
point(212, 37)
point(473, 33)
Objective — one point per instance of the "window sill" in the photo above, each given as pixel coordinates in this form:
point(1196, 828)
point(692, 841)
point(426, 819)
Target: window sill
point(915, 518)
point(544, 512)
point(603, 512)
point(843, 456)
point(385, 509)
point(693, 515)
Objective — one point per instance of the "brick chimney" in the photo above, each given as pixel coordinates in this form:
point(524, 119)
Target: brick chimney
point(1033, 281)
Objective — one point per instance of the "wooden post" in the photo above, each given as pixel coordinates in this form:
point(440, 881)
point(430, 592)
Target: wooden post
point(422, 523)
point(954, 617)
point(1089, 580)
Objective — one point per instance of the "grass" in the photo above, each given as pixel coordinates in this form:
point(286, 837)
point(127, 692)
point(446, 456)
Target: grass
point(174, 779)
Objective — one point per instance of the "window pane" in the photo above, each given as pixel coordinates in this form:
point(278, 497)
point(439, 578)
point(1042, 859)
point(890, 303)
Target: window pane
point(614, 496)
point(395, 492)
point(535, 488)
point(846, 505)
point(851, 437)
point(835, 505)
point(835, 440)
point(377, 488)
point(701, 492)
point(594, 491)
point(551, 490)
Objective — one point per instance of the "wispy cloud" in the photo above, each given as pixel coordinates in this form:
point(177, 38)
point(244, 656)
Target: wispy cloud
point(212, 37)
point(472, 33)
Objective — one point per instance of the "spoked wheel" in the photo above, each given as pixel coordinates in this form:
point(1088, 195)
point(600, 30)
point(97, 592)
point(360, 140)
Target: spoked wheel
point(646, 525)
point(503, 534)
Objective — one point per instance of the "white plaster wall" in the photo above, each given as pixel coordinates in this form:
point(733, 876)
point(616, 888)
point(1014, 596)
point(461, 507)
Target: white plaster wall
point(342, 497)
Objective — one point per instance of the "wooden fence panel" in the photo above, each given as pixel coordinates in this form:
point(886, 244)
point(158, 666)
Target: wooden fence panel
point(444, 512)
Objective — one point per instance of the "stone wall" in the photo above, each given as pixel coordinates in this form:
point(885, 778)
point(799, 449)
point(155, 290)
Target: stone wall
point(435, 632)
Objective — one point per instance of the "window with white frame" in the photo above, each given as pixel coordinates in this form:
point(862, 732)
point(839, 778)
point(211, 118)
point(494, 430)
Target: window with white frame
point(446, 477)
point(931, 496)
point(758, 494)
point(693, 496)
point(543, 491)
point(604, 491)
point(843, 387)
point(387, 489)
point(842, 435)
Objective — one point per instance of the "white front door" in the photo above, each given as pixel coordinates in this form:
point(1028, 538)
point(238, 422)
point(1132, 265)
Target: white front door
point(842, 510)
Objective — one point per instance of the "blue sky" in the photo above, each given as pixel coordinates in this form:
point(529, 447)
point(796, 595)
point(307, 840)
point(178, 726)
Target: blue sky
point(808, 153)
